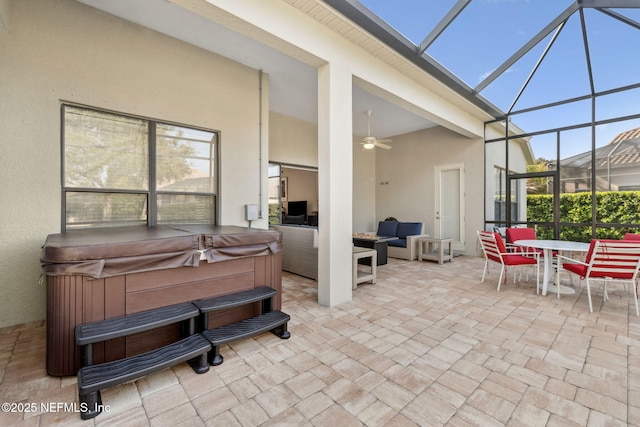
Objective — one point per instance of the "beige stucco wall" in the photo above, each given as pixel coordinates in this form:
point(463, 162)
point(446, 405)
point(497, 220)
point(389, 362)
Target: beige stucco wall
point(62, 50)
point(292, 141)
point(364, 188)
point(407, 171)
point(295, 142)
point(406, 178)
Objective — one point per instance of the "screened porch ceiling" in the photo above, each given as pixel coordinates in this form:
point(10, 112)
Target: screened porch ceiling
point(500, 55)
point(518, 54)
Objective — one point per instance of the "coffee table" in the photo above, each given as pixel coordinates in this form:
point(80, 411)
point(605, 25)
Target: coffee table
point(426, 247)
point(379, 243)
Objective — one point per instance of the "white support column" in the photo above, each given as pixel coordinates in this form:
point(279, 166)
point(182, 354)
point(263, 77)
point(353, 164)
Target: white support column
point(335, 184)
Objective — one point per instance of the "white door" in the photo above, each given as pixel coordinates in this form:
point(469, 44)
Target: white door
point(449, 215)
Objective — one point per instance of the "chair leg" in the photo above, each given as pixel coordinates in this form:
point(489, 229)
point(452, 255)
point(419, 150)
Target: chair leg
point(589, 295)
point(504, 273)
point(635, 297)
point(484, 270)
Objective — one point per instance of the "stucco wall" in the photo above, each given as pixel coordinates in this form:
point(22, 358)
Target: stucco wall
point(62, 50)
point(293, 141)
point(406, 178)
point(364, 188)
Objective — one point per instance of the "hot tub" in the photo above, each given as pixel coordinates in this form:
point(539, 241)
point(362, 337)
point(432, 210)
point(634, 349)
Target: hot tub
point(98, 274)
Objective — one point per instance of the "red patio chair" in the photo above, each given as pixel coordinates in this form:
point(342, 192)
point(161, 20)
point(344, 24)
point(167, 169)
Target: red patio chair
point(495, 250)
point(631, 236)
point(521, 233)
point(608, 261)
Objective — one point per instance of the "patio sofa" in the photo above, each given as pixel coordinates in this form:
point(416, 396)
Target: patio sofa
point(299, 249)
point(406, 246)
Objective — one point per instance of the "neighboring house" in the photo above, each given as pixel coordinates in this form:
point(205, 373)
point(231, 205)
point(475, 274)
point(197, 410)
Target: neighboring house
point(617, 166)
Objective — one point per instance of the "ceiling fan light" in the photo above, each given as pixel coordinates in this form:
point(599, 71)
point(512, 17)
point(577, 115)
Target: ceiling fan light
point(368, 145)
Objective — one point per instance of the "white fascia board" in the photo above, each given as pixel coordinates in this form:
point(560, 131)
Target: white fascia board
point(298, 35)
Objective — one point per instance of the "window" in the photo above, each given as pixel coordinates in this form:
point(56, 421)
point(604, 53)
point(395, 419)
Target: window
point(500, 197)
point(123, 170)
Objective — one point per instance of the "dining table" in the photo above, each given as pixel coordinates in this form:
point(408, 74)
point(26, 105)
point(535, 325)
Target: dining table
point(548, 247)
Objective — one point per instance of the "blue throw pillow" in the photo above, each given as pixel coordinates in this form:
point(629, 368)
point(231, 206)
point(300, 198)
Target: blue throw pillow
point(409, 229)
point(387, 228)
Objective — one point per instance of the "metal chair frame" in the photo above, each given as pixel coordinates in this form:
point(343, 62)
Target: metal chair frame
point(608, 261)
point(496, 251)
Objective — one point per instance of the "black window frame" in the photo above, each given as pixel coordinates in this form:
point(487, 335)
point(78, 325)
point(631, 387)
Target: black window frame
point(152, 191)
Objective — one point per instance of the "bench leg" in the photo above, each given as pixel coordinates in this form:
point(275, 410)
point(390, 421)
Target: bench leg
point(281, 332)
point(90, 405)
point(215, 358)
point(200, 364)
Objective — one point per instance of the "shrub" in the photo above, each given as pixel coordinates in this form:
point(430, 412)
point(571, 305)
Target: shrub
point(612, 207)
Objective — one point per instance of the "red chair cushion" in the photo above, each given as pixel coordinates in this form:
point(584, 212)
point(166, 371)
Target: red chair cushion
point(514, 234)
point(517, 259)
point(581, 270)
point(500, 243)
point(631, 236)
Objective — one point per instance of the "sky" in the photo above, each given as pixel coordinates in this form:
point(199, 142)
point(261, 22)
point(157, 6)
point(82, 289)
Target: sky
point(488, 32)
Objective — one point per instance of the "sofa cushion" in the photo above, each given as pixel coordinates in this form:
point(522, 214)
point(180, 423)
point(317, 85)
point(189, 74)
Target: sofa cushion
point(387, 228)
point(293, 219)
point(398, 243)
point(409, 229)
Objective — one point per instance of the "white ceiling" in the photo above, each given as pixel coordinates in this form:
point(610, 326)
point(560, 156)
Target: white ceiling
point(293, 84)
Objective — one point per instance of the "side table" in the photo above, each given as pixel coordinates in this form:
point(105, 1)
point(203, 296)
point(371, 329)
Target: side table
point(362, 276)
point(432, 248)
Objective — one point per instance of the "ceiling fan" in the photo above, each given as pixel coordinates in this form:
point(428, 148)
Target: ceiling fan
point(369, 142)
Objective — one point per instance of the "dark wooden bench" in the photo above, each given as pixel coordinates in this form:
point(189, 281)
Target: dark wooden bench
point(200, 345)
point(270, 320)
point(93, 378)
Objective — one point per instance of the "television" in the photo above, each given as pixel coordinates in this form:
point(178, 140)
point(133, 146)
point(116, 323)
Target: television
point(297, 208)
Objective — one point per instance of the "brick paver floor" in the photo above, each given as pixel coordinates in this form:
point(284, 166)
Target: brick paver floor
point(426, 345)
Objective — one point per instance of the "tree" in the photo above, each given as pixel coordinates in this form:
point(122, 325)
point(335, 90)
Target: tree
point(537, 185)
point(105, 151)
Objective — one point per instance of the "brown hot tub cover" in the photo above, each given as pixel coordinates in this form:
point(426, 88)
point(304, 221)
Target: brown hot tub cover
point(114, 251)
point(220, 243)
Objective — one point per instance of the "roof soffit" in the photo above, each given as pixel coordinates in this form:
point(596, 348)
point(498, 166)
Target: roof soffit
point(332, 19)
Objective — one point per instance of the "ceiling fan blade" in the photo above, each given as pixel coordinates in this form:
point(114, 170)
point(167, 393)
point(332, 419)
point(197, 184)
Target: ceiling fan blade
point(383, 140)
point(381, 145)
